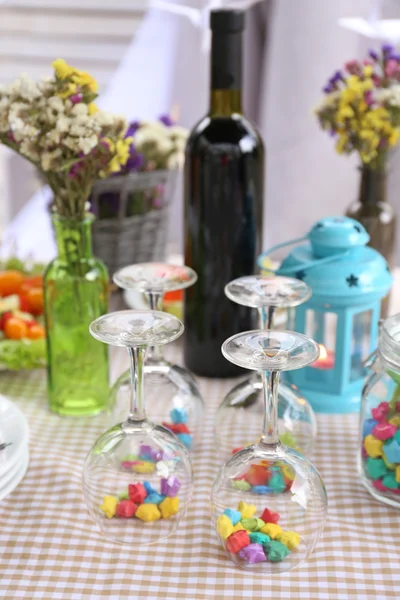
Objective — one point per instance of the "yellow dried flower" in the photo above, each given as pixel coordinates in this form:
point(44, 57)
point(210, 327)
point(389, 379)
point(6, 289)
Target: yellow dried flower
point(62, 68)
point(92, 108)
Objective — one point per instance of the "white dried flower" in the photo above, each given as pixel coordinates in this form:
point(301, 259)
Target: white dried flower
point(87, 144)
point(63, 124)
point(178, 132)
point(56, 104)
point(49, 160)
point(79, 109)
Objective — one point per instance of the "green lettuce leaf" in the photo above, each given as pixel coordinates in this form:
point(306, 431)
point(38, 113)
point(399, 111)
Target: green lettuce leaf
point(22, 354)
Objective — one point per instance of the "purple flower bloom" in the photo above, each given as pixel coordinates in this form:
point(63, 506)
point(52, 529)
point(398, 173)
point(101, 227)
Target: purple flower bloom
point(332, 132)
point(336, 77)
point(394, 56)
point(387, 48)
point(373, 54)
point(76, 98)
point(135, 161)
point(328, 88)
point(132, 128)
point(166, 119)
point(368, 97)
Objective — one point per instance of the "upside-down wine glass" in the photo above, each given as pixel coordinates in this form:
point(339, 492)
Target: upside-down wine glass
point(268, 500)
point(137, 478)
point(239, 416)
point(173, 398)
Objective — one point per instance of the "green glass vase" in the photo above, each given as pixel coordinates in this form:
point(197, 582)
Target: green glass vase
point(75, 293)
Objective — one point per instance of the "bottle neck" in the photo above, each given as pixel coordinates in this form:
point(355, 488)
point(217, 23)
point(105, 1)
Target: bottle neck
point(372, 185)
point(73, 238)
point(226, 74)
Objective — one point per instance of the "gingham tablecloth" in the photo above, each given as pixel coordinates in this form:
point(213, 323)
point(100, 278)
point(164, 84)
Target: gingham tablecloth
point(49, 547)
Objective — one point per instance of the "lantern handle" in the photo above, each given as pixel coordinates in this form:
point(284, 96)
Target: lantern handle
point(304, 267)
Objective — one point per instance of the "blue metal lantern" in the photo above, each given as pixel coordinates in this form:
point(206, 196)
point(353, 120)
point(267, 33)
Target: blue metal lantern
point(348, 281)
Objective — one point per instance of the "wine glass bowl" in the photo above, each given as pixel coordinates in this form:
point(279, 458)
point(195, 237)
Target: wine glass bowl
point(289, 487)
point(172, 394)
point(239, 416)
point(268, 500)
point(137, 478)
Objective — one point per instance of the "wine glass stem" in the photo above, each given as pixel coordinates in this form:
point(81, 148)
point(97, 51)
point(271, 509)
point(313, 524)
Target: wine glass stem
point(270, 433)
point(137, 355)
point(266, 316)
point(154, 300)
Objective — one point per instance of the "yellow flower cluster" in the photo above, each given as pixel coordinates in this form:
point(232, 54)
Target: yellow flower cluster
point(74, 78)
point(120, 150)
point(360, 124)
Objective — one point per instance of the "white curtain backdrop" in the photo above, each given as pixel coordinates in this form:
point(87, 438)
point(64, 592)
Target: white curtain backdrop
point(291, 48)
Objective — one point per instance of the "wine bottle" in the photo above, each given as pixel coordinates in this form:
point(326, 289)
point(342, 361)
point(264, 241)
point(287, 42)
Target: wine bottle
point(223, 206)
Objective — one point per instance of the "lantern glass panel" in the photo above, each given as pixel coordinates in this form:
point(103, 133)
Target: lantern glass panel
point(361, 343)
point(321, 326)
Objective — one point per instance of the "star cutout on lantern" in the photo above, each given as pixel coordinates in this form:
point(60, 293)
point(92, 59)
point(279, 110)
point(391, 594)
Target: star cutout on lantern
point(318, 226)
point(357, 228)
point(352, 281)
point(387, 268)
point(300, 275)
point(391, 450)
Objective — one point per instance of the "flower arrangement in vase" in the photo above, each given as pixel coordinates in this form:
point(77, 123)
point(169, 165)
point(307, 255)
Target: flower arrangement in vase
point(56, 125)
point(361, 111)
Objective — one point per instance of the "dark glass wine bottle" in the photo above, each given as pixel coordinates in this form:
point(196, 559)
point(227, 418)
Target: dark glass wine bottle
point(223, 206)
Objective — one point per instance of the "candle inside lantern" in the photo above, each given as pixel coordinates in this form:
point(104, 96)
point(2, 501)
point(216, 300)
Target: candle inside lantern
point(326, 359)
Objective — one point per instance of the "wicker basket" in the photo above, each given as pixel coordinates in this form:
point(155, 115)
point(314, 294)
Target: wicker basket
point(131, 222)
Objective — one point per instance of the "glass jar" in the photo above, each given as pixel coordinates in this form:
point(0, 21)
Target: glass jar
point(75, 294)
point(379, 456)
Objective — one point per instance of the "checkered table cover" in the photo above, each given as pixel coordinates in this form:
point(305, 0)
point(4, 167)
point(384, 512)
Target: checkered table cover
point(50, 548)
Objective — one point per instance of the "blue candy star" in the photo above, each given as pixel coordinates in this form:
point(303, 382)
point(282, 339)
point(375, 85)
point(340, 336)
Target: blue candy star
point(391, 450)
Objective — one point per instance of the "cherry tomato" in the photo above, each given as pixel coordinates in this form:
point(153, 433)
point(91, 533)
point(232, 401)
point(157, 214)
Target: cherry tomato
point(36, 332)
point(34, 297)
point(175, 296)
point(10, 282)
point(23, 303)
point(4, 318)
point(31, 282)
point(15, 329)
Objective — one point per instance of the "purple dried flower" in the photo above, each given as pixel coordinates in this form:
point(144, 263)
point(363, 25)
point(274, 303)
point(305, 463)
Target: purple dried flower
point(132, 128)
point(166, 119)
point(336, 77)
point(332, 132)
point(387, 48)
point(373, 54)
point(76, 98)
point(368, 97)
point(135, 161)
point(328, 88)
point(394, 56)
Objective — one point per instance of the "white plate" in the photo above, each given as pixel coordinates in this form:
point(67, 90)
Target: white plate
point(16, 480)
point(10, 474)
point(14, 429)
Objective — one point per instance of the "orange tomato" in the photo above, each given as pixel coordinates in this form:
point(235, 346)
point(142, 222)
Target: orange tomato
point(175, 296)
point(34, 297)
point(35, 332)
point(35, 281)
point(15, 329)
point(10, 282)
